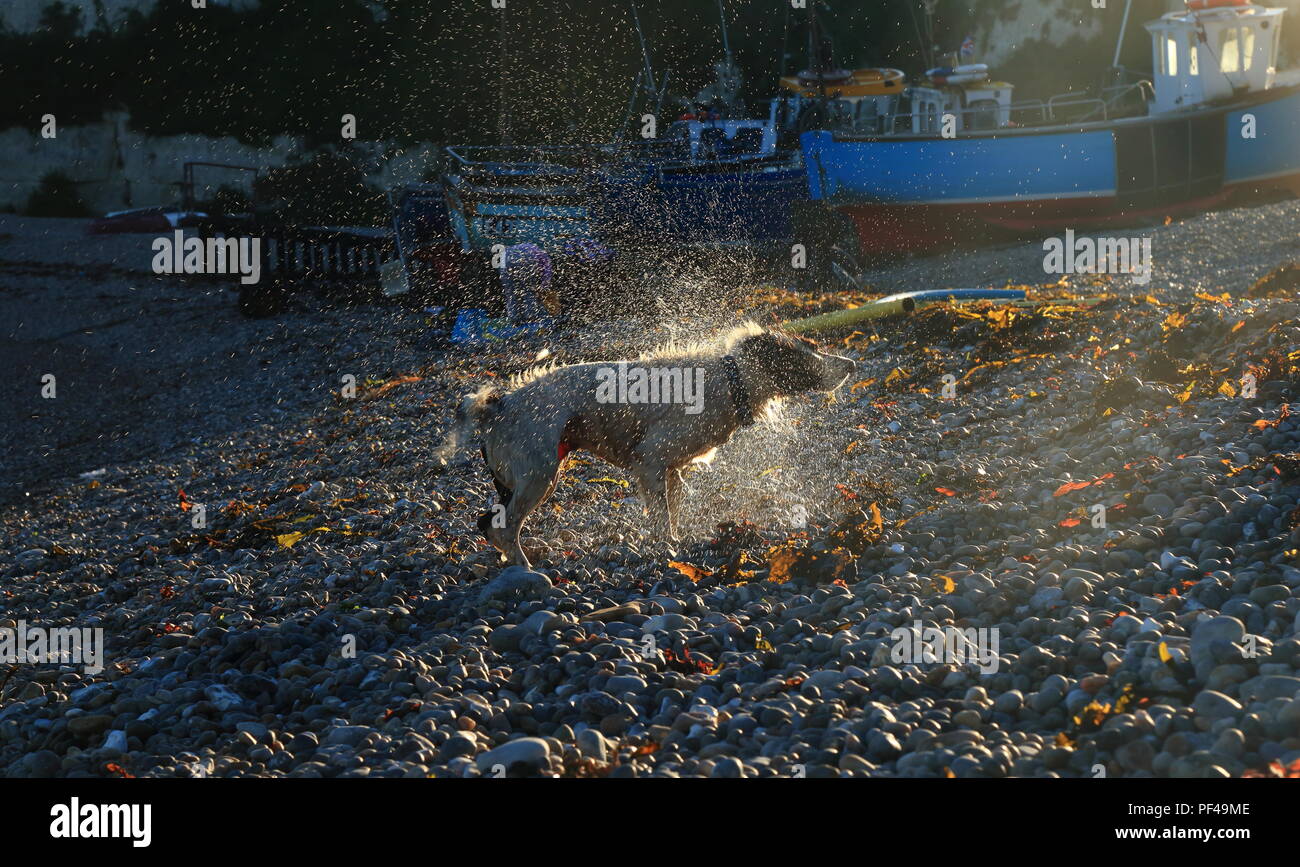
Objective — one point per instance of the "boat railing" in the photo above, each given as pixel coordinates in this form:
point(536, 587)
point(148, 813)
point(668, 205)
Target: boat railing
point(931, 121)
point(524, 160)
point(1021, 111)
point(1115, 101)
point(1068, 103)
point(1083, 107)
point(648, 150)
point(678, 150)
point(674, 156)
point(779, 160)
point(1062, 108)
point(1143, 89)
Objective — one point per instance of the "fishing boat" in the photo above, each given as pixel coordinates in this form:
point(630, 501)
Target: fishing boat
point(500, 195)
point(717, 177)
point(716, 181)
point(837, 98)
point(711, 177)
point(954, 156)
point(711, 181)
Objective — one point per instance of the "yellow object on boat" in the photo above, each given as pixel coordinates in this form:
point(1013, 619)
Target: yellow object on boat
point(846, 84)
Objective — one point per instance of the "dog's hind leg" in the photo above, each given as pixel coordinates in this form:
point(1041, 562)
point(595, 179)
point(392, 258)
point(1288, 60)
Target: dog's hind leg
point(534, 485)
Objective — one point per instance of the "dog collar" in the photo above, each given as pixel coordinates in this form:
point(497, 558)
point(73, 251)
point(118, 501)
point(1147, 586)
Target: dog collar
point(739, 394)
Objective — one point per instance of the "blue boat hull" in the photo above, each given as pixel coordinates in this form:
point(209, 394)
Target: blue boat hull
point(744, 206)
point(917, 171)
point(909, 192)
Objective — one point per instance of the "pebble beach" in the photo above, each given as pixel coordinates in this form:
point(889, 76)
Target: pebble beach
point(337, 613)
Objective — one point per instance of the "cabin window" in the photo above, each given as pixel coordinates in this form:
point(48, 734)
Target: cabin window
point(927, 115)
point(748, 141)
point(840, 114)
point(867, 116)
point(983, 114)
point(713, 144)
point(1171, 56)
point(1237, 50)
point(1193, 58)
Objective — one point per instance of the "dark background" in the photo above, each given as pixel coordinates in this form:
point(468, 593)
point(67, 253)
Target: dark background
point(443, 70)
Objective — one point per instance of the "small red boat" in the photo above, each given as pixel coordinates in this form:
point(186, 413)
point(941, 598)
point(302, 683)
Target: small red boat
point(160, 218)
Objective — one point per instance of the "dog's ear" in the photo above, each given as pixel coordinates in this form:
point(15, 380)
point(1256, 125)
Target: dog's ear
point(761, 341)
point(795, 341)
point(773, 340)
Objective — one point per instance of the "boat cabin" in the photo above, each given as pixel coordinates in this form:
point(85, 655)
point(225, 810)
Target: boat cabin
point(977, 106)
point(1214, 50)
point(880, 102)
point(713, 140)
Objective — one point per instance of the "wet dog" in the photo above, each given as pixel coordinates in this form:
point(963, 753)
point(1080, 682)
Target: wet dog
point(651, 417)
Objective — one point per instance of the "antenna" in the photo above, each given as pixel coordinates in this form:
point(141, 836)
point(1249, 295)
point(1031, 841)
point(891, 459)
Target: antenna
point(645, 52)
point(726, 41)
point(663, 91)
point(785, 43)
point(927, 55)
point(631, 107)
point(502, 133)
point(929, 6)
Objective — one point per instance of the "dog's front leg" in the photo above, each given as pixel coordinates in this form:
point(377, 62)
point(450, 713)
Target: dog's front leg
point(535, 483)
point(673, 499)
point(654, 485)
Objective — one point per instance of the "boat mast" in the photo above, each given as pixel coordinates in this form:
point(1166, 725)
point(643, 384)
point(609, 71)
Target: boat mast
point(663, 91)
point(569, 88)
point(925, 44)
point(726, 41)
point(631, 107)
point(645, 57)
point(817, 50)
point(501, 80)
point(785, 42)
point(1119, 44)
point(727, 86)
point(929, 6)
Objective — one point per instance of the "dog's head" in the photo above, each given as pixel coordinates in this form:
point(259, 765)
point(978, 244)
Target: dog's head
point(793, 364)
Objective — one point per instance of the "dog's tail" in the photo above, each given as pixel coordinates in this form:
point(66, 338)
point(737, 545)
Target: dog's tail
point(469, 416)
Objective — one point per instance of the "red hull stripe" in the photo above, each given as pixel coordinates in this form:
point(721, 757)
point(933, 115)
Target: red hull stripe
point(885, 228)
